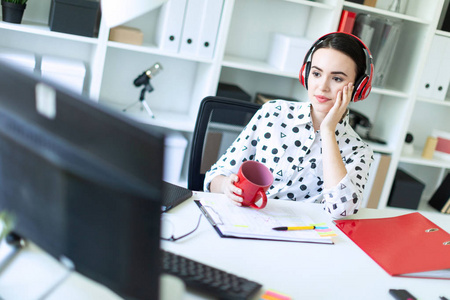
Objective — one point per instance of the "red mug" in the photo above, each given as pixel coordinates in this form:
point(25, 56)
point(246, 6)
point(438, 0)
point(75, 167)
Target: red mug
point(254, 180)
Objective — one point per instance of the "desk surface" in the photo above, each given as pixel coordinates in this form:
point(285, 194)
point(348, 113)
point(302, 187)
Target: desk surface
point(299, 270)
point(303, 270)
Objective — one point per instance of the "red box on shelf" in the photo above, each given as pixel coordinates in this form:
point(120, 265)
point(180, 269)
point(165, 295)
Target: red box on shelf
point(442, 149)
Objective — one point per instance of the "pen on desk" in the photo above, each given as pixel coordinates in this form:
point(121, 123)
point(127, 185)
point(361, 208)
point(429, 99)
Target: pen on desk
point(443, 298)
point(286, 228)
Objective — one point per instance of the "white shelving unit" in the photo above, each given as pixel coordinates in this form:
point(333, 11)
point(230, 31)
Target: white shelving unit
point(428, 114)
point(240, 58)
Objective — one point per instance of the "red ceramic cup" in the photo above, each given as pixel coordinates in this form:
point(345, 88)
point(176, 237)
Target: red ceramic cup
point(254, 180)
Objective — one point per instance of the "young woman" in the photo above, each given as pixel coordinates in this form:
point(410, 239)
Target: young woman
point(311, 149)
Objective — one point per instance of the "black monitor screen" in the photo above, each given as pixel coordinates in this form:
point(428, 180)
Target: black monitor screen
point(83, 182)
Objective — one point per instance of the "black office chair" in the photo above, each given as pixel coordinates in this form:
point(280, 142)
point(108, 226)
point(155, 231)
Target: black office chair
point(219, 122)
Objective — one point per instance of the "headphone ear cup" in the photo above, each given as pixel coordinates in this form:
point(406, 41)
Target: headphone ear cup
point(366, 91)
point(304, 73)
point(365, 86)
point(301, 75)
point(360, 92)
point(368, 86)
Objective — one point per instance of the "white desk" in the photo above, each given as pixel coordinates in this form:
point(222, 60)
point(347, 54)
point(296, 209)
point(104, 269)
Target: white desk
point(300, 270)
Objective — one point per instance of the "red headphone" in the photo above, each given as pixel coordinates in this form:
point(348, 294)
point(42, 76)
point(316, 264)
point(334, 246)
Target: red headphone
point(363, 85)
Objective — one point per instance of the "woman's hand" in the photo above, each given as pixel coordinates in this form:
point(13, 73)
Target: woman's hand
point(225, 185)
point(339, 108)
point(333, 166)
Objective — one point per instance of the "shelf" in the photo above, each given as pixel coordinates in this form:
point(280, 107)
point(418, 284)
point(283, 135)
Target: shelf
point(260, 66)
point(424, 206)
point(242, 46)
point(153, 49)
point(42, 29)
point(416, 158)
point(376, 147)
point(385, 13)
point(254, 65)
point(443, 33)
point(389, 92)
point(446, 102)
point(312, 4)
point(171, 120)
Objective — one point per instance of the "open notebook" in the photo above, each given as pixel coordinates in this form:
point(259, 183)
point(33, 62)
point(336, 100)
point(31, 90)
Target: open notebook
point(230, 220)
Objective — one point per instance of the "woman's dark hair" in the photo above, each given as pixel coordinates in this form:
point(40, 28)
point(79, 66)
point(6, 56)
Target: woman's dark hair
point(348, 45)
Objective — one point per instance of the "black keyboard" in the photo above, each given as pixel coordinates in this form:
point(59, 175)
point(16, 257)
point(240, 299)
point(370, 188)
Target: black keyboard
point(209, 280)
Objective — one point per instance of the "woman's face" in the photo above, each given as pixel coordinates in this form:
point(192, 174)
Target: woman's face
point(331, 70)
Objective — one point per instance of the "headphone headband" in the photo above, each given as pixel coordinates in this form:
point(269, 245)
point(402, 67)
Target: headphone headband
point(363, 85)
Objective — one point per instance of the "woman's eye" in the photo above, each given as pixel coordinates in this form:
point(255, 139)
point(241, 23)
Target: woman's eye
point(338, 79)
point(315, 74)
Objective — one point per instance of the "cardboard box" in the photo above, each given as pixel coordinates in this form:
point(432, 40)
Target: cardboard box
point(372, 3)
point(377, 176)
point(287, 52)
point(69, 73)
point(442, 149)
point(80, 17)
point(127, 35)
point(212, 150)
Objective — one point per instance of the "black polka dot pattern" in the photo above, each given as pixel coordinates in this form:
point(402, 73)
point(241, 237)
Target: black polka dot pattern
point(281, 136)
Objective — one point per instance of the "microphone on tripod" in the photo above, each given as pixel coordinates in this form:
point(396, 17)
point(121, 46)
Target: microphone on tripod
point(145, 77)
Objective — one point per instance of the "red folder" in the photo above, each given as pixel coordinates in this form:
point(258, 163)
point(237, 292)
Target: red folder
point(409, 245)
point(347, 21)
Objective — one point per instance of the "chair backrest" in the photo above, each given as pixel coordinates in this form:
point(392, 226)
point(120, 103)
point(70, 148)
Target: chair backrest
point(219, 122)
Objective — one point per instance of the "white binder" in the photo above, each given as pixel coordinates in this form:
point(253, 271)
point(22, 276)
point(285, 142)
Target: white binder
point(428, 83)
point(170, 24)
point(195, 9)
point(443, 74)
point(210, 28)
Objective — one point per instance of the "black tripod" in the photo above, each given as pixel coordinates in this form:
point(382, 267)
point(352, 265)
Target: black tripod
point(143, 79)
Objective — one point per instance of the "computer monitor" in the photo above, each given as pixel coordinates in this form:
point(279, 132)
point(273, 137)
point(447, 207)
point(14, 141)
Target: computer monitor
point(83, 182)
